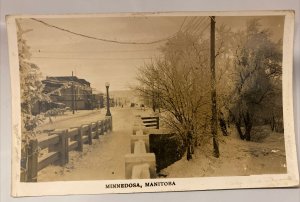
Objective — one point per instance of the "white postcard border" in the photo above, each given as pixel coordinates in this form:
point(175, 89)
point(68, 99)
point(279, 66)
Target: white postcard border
point(182, 184)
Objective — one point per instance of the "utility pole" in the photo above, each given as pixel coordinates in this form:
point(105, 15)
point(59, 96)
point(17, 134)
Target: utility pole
point(75, 98)
point(107, 100)
point(73, 95)
point(214, 120)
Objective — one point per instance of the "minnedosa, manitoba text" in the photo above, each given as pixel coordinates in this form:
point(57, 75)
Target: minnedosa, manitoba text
point(145, 102)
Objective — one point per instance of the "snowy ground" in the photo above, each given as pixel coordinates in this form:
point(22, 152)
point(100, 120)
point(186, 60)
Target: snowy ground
point(105, 158)
point(237, 157)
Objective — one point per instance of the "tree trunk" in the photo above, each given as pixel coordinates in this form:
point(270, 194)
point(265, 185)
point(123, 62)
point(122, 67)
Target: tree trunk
point(238, 128)
point(248, 126)
point(272, 123)
point(189, 146)
point(188, 153)
point(153, 105)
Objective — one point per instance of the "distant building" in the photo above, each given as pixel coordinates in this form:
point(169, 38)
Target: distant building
point(98, 100)
point(73, 92)
point(69, 91)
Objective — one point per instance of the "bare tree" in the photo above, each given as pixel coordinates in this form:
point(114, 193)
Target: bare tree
point(179, 82)
point(257, 77)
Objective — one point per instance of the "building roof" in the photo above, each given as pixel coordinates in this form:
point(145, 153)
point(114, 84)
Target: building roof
point(64, 79)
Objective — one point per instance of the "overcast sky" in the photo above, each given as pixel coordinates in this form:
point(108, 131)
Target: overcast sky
point(58, 52)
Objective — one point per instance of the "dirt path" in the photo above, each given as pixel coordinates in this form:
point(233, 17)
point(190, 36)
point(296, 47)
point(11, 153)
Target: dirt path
point(103, 160)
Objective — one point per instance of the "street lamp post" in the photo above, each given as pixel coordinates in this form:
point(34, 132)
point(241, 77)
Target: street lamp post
point(107, 100)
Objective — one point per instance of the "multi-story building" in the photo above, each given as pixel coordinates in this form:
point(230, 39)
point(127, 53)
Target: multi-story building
point(66, 91)
point(71, 91)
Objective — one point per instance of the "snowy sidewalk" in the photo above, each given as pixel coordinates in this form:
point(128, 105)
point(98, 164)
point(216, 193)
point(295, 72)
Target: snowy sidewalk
point(102, 160)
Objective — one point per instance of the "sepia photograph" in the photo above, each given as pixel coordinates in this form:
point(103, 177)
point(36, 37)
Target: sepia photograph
point(149, 102)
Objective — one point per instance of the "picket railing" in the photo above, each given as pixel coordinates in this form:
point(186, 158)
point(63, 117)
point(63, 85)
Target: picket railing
point(140, 164)
point(59, 144)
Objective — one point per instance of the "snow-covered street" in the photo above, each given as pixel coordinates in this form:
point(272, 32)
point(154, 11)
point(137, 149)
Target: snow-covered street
point(69, 120)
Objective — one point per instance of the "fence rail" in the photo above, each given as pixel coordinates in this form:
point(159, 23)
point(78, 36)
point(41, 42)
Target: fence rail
point(59, 144)
point(151, 121)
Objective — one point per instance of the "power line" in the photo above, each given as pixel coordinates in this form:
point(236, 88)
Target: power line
point(202, 30)
point(81, 58)
point(90, 51)
point(200, 24)
point(208, 24)
point(188, 26)
point(195, 27)
point(103, 39)
point(182, 23)
point(192, 24)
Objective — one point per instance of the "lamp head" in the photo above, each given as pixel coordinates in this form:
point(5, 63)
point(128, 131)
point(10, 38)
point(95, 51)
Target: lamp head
point(107, 84)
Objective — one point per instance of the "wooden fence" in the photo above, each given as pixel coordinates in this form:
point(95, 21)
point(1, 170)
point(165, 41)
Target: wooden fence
point(140, 164)
point(59, 143)
point(152, 121)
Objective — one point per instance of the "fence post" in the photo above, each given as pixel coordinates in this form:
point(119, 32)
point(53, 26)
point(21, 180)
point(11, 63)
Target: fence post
point(64, 147)
point(97, 130)
point(105, 126)
point(79, 139)
point(157, 122)
point(101, 127)
point(90, 137)
point(32, 161)
point(110, 123)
